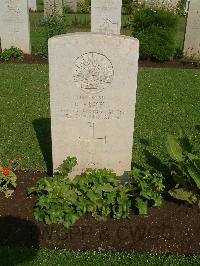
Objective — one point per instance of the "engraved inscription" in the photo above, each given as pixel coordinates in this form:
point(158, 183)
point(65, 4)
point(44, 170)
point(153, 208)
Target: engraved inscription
point(93, 72)
point(108, 26)
point(91, 107)
point(13, 11)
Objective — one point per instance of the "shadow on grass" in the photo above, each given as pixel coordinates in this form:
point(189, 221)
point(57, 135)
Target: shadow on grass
point(43, 131)
point(18, 240)
point(156, 163)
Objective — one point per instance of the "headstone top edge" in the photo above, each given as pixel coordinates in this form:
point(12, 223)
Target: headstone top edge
point(76, 34)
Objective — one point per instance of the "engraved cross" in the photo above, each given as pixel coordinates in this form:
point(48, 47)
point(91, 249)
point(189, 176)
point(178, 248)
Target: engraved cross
point(91, 141)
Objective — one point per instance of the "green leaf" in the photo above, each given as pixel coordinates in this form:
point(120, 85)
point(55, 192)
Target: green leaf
point(142, 205)
point(183, 194)
point(197, 164)
point(174, 149)
point(195, 176)
point(192, 156)
point(107, 187)
point(66, 167)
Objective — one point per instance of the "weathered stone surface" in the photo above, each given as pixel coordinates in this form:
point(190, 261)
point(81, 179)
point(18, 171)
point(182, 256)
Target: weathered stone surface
point(32, 5)
point(192, 35)
point(106, 16)
point(53, 7)
point(72, 4)
point(93, 80)
point(14, 25)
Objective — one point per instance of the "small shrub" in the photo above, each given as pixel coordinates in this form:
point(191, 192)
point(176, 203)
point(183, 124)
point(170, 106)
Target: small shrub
point(148, 188)
point(185, 168)
point(54, 25)
point(11, 53)
point(84, 7)
point(127, 6)
point(7, 181)
point(181, 8)
point(156, 31)
point(178, 53)
point(63, 201)
point(102, 194)
point(68, 10)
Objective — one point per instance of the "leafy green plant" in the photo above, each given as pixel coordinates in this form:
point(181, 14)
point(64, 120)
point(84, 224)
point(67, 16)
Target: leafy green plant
point(7, 181)
point(102, 194)
point(63, 201)
point(181, 7)
point(11, 53)
point(84, 7)
point(148, 188)
point(185, 168)
point(57, 201)
point(57, 197)
point(156, 30)
point(54, 25)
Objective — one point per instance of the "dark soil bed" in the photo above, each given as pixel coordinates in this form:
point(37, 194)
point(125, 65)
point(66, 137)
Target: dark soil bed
point(35, 59)
point(175, 228)
point(28, 59)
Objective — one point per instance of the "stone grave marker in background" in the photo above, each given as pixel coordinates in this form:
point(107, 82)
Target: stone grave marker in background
point(192, 35)
point(72, 4)
point(14, 25)
point(53, 7)
point(93, 81)
point(32, 5)
point(106, 16)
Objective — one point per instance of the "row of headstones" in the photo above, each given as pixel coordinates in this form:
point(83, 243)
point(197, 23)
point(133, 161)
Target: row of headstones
point(93, 82)
point(15, 28)
point(106, 17)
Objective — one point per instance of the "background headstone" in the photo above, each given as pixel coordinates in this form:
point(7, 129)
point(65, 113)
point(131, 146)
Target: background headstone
point(14, 25)
point(53, 7)
point(106, 16)
point(72, 4)
point(93, 80)
point(32, 5)
point(192, 35)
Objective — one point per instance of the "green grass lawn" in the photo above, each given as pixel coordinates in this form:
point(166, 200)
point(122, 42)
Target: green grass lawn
point(73, 22)
point(14, 256)
point(38, 32)
point(167, 99)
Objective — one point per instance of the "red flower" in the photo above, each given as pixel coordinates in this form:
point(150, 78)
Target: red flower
point(5, 171)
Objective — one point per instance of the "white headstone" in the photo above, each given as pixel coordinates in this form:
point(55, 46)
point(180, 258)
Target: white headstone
point(53, 7)
point(32, 5)
point(93, 81)
point(72, 4)
point(192, 35)
point(106, 16)
point(14, 25)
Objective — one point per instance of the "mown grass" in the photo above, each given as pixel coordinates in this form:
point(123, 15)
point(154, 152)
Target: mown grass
point(81, 22)
point(74, 23)
point(16, 256)
point(167, 99)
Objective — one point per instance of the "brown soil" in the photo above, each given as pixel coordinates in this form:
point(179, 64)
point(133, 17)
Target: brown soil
point(35, 59)
point(175, 228)
point(28, 59)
